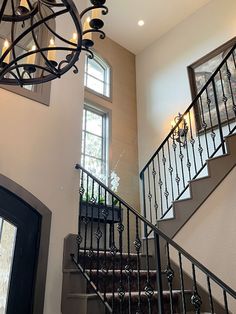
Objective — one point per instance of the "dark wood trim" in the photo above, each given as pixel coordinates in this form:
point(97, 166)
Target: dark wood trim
point(191, 74)
point(204, 59)
point(46, 214)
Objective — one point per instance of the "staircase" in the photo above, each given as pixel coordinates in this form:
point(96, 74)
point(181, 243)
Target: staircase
point(110, 265)
point(108, 283)
point(124, 262)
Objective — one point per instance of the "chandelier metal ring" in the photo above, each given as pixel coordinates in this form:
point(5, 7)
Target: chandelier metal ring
point(17, 68)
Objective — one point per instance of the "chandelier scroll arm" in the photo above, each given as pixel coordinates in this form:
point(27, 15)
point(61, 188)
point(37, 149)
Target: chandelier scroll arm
point(91, 54)
point(3, 9)
point(104, 11)
point(14, 50)
point(102, 34)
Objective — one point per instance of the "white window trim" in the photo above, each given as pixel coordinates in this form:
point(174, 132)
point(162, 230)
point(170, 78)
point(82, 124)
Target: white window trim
point(108, 79)
point(106, 134)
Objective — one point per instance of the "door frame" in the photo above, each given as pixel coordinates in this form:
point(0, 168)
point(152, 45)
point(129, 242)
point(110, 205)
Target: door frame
point(40, 281)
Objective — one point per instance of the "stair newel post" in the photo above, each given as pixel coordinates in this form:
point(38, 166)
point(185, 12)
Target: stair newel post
point(159, 275)
point(218, 117)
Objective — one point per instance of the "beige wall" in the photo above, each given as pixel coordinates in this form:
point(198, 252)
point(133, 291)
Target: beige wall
point(162, 81)
point(210, 234)
point(123, 139)
point(39, 148)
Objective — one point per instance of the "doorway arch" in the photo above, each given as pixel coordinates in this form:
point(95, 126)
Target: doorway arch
point(30, 219)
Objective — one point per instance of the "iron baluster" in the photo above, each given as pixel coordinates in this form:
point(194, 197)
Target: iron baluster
point(218, 118)
point(159, 275)
point(160, 183)
point(98, 234)
point(195, 299)
point(192, 141)
point(177, 178)
point(148, 288)
point(142, 176)
point(149, 195)
point(128, 267)
point(121, 290)
point(230, 86)
point(209, 102)
point(181, 157)
point(92, 202)
point(154, 173)
point(225, 100)
point(138, 245)
point(166, 193)
point(104, 268)
point(204, 125)
point(81, 194)
point(170, 171)
point(210, 295)
point(182, 283)
point(226, 302)
point(86, 221)
point(170, 277)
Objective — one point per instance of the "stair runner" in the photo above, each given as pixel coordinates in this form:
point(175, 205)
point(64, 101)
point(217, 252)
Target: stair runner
point(128, 284)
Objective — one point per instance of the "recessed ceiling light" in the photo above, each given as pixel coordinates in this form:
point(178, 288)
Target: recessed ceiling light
point(140, 23)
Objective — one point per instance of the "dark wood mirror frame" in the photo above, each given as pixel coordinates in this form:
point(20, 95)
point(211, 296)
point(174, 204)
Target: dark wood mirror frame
point(192, 77)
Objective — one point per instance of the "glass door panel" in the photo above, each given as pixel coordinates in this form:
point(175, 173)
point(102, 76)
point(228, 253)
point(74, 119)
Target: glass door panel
point(7, 247)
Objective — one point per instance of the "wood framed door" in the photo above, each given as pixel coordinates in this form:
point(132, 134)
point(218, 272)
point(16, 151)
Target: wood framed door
point(20, 227)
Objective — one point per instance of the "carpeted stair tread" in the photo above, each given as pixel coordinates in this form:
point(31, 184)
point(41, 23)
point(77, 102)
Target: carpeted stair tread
point(113, 279)
point(132, 300)
point(106, 260)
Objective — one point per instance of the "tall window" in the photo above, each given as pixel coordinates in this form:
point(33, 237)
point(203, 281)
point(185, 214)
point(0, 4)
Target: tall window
point(94, 142)
point(97, 75)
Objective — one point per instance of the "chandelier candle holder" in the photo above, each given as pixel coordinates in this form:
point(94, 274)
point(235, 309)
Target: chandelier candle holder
point(33, 50)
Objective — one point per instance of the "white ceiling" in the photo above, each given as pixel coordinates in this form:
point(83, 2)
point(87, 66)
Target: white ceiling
point(159, 16)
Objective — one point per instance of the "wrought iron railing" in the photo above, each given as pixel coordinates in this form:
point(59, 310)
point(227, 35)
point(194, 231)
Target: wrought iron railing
point(197, 136)
point(115, 255)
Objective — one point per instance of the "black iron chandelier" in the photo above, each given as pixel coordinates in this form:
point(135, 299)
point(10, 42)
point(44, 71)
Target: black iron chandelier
point(33, 48)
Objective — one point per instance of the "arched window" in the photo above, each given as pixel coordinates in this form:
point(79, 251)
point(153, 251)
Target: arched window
point(97, 76)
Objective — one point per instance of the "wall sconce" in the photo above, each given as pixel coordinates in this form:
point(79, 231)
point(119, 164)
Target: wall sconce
point(179, 133)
